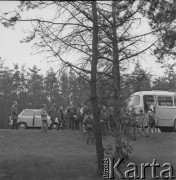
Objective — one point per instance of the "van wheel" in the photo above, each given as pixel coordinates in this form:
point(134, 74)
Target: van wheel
point(22, 126)
point(174, 128)
point(54, 126)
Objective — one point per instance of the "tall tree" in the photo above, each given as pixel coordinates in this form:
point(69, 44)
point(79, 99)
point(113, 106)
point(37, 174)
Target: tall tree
point(65, 92)
point(36, 89)
point(168, 81)
point(139, 80)
point(93, 88)
point(162, 16)
point(6, 79)
point(51, 86)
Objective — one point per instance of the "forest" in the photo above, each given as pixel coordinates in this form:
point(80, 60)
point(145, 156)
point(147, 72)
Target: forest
point(30, 88)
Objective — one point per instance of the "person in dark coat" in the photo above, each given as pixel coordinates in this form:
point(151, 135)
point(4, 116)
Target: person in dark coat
point(72, 116)
point(14, 114)
point(52, 113)
point(62, 122)
point(88, 124)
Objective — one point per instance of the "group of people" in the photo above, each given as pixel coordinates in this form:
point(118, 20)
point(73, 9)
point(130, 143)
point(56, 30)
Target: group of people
point(147, 121)
point(144, 122)
point(75, 118)
point(70, 119)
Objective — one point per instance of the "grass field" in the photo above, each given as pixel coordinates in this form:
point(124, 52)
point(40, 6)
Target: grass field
point(63, 155)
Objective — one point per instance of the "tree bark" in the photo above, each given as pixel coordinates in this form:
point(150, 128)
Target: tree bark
point(116, 76)
point(93, 87)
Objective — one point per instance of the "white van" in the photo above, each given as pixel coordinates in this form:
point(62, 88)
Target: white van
point(163, 103)
point(31, 118)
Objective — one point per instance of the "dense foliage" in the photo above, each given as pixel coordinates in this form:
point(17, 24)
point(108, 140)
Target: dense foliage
point(31, 89)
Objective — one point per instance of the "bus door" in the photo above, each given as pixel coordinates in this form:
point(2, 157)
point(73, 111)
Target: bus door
point(149, 101)
point(165, 110)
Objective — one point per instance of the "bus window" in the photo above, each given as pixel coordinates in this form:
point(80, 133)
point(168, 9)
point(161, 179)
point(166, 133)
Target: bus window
point(134, 100)
point(165, 101)
point(148, 101)
point(175, 100)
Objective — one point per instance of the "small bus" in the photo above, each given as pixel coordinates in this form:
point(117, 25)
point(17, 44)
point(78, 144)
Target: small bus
point(163, 103)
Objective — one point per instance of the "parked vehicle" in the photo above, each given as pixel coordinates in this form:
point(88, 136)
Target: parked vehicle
point(31, 118)
point(163, 104)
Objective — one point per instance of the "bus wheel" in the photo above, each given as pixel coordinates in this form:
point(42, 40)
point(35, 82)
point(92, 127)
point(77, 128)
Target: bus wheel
point(174, 128)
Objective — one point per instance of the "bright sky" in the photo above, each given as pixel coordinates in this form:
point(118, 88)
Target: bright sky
point(15, 52)
point(10, 47)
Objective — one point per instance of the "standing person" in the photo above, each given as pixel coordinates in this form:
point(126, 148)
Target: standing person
point(77, 119)
point(81, 118)
point(14, 114)
point(44, 119)
point(62, 118)
point(52, 113)
point(67, 119)
point(72, 118)
point(88, 124)
point(151, 117)
point(146, 125)
point(86, 109)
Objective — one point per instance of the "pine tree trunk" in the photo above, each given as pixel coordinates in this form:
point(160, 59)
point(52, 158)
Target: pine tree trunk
point(116, 76)
point(93, 87)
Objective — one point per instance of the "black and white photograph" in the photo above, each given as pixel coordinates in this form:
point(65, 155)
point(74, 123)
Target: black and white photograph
point(88, 90)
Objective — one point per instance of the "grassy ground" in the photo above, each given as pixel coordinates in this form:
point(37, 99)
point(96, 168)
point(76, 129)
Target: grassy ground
point(63, 155)
point(161, 146)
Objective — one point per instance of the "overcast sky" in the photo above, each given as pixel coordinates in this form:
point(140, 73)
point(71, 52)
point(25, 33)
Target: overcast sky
point(15, 52)
point(10, 47)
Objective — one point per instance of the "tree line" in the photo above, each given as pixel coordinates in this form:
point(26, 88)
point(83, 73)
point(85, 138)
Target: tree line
point(30, 88)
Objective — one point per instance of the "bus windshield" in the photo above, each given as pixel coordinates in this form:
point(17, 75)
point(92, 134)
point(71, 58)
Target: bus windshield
point(134, 100)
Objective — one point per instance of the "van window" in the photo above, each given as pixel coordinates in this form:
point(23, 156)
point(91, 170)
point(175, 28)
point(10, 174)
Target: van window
point(134, 100)
point(28, 113)
point(175, 100)
point(37, 113)
point(165, 101)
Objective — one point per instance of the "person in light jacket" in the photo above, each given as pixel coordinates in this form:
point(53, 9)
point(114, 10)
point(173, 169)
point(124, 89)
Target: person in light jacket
point(44, 119)
point(149, 122)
